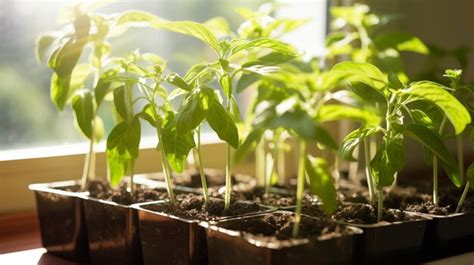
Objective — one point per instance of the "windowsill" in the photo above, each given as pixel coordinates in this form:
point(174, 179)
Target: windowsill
point(82, 148)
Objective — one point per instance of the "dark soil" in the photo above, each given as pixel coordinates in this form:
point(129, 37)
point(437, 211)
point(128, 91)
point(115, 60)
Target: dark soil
point(367, 214)
point(193, 206)
point(279, 226)
point(102, 190)
point(192, 179)
point(277, 197)
point(397, 199)
point(447, 204)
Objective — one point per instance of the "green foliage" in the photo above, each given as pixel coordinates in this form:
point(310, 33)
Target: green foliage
point(321, 182)
point(389, 159)
point(437, 94)
point(353, 139)
point(122, 148)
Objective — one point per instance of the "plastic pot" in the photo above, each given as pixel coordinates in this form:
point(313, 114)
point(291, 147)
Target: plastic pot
point(230, 247)
point(168, 239)
point(448, 235)
point(390, 243)
point(113, 233)
point(62, 220)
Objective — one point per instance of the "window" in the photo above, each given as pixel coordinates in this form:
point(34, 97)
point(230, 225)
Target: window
point(29, 119)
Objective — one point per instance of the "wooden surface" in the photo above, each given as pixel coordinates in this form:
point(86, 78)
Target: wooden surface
point(20, 244)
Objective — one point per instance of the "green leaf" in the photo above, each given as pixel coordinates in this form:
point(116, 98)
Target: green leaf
point(437, 95)
point(177, 145)
point(176, 80)
point(235, 110)
point(192, 111)
point(249, 144)
point(401, 42)
point(192, 29)
point(362, 72)
point(59, 90)
point(470, 175)
point(83, 106)
point(117, 165)
point(321, 183)
point(352, 140)
point(332, 112)
point(272, 44)
point(219, 26)
point(221, 122)
point(119, 102)
point(394, 81)
point(148, 114)
point(122, 148)
point(271, 59)
point(419, 117)
point(389, 159)
point(43, 45)
point(432, 140)
point(226, 84)
point(246, 80)
point(78, 77)
point(137, 18)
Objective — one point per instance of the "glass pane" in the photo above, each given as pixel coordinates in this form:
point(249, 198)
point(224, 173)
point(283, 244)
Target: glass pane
point(27, 116)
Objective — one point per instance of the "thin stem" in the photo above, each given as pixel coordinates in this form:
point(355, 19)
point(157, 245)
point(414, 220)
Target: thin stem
point(281, 164)
point(435, 167)
point(435, 181)
point(166, 169)
point(89, 163)
point(132, 176)
point(300, 187)
point(205, 191)
point(463, 197)
point(460, 155)
point(260, 163)
point(354, 166)
point(368, 175)
point(228, 178)
point(380, 205)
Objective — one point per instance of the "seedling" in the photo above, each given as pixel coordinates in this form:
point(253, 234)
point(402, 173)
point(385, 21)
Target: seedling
point(222, 70)
point(356, 34)
point(401, 120)
point(71, 82)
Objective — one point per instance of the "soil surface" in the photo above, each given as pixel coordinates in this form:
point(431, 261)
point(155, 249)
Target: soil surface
point(192, 178)
point(277, 197)
point(367, 214)
point(448, 201)
point(102, 190)
point(193, 206)
point(279, 226)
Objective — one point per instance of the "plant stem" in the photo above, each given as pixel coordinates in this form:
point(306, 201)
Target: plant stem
point(368, 175)
point(166, 169)
point(463, 197)
point(281, 164)
point(228, 178)
point(300, 187)
point(89, 163)
point(354, 166)
point(260, 163)
point(205, 191)
point(132, 176)
point(435, 181)
point(380, 205)
point(435, 167)
point(460, 156)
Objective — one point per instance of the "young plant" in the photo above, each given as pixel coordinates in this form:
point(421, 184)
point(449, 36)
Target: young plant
point(464, 93)
point(144, 72)
point(356, 36)
point(222, 70)
point(80, 85)
point(401, 120)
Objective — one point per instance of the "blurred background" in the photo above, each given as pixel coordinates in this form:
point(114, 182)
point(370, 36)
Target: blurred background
point(29, 119)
